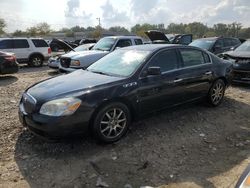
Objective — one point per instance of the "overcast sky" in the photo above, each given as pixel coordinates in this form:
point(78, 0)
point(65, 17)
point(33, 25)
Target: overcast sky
point(20, 14)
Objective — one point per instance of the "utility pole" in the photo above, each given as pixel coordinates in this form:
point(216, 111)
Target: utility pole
point(99, 27)
point(99, 21)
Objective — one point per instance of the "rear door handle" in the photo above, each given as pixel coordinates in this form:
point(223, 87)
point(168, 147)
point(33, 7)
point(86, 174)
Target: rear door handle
point(208, 73)
point(178, 80)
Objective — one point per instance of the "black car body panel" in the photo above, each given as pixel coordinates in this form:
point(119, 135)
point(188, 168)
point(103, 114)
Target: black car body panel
point(58, 45)
point(216, 45)
point(241, 63)
point(157, 37)
point(142, 94)
point(8, 63)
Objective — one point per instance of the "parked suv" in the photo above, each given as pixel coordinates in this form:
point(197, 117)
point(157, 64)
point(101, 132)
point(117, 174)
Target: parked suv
point(217, 45)
point(81, 60)
point(29, 50)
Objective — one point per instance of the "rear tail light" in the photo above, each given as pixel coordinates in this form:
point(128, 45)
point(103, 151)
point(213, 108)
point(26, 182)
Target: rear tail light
point(10, 58)
point(49, 50)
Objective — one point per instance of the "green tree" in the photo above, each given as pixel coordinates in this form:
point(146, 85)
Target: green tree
point(2, 26)
point(176, 28)
point(118, 29)
point(32, 31)
point(197, 29)
point(19, 33)
point(43, 28)
point(220, 29)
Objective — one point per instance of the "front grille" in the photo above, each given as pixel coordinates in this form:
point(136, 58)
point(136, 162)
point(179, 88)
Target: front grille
point(65, 62)
point(29, 103)
point(241, 74)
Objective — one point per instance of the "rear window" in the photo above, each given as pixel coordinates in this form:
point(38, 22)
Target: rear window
point(6, 44)
point(20, 43)
point(39, 43)
point(206, 58)
point(138, 41)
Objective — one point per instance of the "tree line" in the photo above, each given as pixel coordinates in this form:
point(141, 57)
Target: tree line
point(198, 30)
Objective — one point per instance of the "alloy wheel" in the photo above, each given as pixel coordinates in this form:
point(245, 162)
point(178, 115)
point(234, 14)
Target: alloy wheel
point(113, 123)
point(36, 61)
point(217, 93)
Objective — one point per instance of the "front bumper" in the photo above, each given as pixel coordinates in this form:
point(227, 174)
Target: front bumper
point(241, 76)
point(66, 70)
point(53, 63)
point(54, 127)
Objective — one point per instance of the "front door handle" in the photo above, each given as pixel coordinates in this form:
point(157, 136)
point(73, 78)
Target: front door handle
point(178, 80)
point(208, 73)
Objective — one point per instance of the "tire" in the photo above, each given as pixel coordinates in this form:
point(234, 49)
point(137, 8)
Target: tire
point(36, 61)
point(111, 122)
point(216, 93)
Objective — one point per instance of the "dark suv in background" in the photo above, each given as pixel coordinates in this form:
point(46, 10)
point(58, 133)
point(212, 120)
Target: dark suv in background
point(217, 45)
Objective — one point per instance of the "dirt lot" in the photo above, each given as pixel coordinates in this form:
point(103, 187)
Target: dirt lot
point(191, 146)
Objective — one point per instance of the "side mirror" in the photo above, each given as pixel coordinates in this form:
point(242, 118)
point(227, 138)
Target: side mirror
point(116, 48)
point(154, 71)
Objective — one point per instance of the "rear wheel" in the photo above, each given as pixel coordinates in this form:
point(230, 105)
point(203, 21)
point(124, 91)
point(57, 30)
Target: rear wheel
point(216, 93)
point(111, 122)
point(36, 61)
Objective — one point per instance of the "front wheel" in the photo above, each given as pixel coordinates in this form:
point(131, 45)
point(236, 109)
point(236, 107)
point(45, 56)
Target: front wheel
point(216, 93)
point(111, 122)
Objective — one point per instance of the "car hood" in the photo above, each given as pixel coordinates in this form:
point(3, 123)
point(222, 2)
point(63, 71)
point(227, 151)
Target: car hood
point(156, 36)
point(84, 53)
point(61, 43)
point(79, 81)
point(238, 54)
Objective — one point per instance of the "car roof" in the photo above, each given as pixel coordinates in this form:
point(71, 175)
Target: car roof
point(124, 37)
point(215, 38)
point(155, 47)
point(20, 38)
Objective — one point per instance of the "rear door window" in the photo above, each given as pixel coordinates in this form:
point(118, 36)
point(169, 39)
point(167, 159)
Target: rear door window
point(138, 41)
point(39, 43)
point(191, 57)
point(6, 44)
point(227, 42)
point(167, 60)
point(20, 43)
point(219, 43)
point(123, 43)
point(206, 58)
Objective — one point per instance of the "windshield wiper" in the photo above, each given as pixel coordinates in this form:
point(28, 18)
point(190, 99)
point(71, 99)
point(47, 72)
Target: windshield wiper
point(99, 49)
point(99, 72)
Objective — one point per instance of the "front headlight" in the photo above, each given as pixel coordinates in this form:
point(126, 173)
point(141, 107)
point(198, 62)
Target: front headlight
point(60, 107)
point(75, 63)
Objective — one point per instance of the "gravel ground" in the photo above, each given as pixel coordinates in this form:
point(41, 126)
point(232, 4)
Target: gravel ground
point(190, 146)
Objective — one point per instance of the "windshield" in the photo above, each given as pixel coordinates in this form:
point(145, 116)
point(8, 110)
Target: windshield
point(82, 47)
point(244, 47)
point(105, 44)
point(119, 63)
point(204, 44)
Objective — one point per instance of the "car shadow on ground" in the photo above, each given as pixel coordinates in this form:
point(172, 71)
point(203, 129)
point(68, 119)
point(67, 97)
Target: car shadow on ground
point(191, 143)
point(54, 73)
point(27, 69)
point(243, 87)
point(7, 80)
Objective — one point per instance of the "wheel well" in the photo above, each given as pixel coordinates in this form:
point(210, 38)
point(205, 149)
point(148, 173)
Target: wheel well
point(224, 80)
point(36, 54)
point(120, 100)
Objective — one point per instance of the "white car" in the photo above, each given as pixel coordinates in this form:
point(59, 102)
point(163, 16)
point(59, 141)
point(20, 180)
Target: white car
point(28, 50)
point(81, 60)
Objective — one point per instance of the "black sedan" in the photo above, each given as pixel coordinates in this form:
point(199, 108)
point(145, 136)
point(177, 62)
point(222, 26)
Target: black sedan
point(241, 62)
point(8, 63)
point(125, 85)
